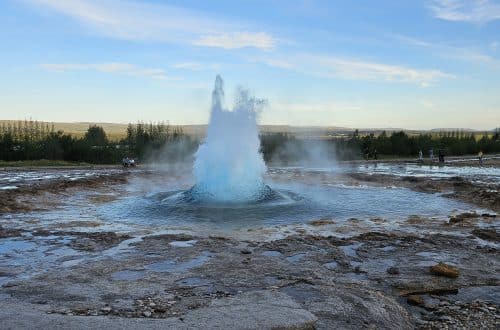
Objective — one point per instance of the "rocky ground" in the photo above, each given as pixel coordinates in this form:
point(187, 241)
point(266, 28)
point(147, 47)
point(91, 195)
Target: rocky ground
point(425, 273)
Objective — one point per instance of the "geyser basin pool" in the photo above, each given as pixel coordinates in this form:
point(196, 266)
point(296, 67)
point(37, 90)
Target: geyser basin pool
point(284, 204)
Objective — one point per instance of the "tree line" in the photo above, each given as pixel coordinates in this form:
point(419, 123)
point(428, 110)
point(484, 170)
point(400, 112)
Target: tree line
point(283, 147)
point(33, 140)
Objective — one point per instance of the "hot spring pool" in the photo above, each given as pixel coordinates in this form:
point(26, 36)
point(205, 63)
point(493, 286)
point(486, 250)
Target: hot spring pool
point(294, 203)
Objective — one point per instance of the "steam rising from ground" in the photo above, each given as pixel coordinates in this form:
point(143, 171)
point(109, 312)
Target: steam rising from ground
point(229, 165)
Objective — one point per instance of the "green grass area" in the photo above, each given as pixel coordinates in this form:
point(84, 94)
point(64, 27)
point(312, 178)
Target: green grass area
point(41, 163)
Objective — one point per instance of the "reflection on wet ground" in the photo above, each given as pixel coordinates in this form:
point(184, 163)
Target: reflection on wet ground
point(171, 266)
point(12, 179)
point(337, 233)
point(473, 173)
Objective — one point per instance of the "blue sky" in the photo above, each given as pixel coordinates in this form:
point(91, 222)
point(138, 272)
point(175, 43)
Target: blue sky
point(387, 63)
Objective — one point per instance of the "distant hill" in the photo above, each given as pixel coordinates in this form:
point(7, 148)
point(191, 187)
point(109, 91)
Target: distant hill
point(453, 130)
point(117, 131)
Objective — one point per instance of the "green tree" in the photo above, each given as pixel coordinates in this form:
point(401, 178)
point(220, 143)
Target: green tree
point(96, 136)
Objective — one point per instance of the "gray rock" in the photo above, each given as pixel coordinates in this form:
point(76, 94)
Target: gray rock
point(252, 310)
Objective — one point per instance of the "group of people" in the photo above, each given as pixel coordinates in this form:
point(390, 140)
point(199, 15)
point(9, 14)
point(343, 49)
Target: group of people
point(128, 162)
point(431, 155)
point(441, 156)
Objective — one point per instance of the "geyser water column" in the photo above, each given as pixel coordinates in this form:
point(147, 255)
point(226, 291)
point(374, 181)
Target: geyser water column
point(229, 165)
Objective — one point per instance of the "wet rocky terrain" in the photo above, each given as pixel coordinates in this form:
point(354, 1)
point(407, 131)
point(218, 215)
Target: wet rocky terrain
point(418, 271)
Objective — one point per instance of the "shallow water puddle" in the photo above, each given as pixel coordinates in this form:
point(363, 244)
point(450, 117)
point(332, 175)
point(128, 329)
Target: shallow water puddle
point(433, 257)
point(128, 275)
point(331, 265)
point(189, 243)
point(296, 257)
point(172, 266)
point(272, 253)
point(351, 250)
point(16, 246)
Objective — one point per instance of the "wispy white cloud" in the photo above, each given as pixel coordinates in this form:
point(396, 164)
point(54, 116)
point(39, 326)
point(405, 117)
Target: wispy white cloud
point(135, 20)
point(353, 69)
point(196, 66)
point(113, 68)
point(446, 51)
point(472, 11)
point(238, 40)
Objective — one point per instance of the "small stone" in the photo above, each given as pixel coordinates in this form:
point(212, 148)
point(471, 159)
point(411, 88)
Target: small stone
point(393, 271)
point(245, 251)
point(106, 309)
point(146, 313)
point(152, 304)
point(160, 309)
point(442, 269)
point(415, 299)
point(80, 311)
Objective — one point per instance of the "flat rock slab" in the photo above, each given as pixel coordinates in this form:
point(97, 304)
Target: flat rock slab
point(252, 310)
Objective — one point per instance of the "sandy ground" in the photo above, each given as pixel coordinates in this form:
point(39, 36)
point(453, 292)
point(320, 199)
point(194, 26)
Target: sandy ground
point(321, 274)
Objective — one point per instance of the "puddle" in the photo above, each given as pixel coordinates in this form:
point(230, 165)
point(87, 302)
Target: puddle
point(296, 257)
point(351, 250)
point(331, 265)
point(272, 253)
point(8, 187)
point(172, 266)
point(16, 246)
point(488, 293)
point(128, 275)
point(433, 257)
point(12, 179)
point(388, 248)
point(183, 243)
point(479, 174)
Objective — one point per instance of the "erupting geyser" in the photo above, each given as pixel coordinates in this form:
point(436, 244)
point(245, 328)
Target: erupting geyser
point(229, 165)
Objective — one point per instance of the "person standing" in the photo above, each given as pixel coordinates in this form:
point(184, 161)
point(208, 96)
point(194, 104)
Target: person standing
point(420, 155)
point(441, 155)
point(480, 157)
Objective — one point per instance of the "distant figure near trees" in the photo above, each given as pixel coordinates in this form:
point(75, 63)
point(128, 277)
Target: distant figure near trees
point(420, 155)
point(128, 162)
point(480, 157)
point(441, 155)
point(431, 154)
